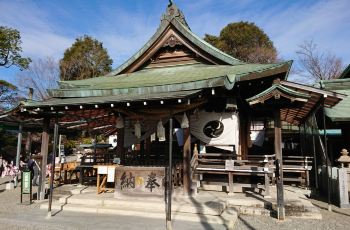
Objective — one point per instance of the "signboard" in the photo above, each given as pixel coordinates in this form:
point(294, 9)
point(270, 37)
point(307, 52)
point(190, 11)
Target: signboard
point(140, 180)
point(26, 182)
point(111, 174)
point(102, 170)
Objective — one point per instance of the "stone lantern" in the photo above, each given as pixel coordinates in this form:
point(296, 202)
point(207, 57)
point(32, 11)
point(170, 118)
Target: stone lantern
point(344, 159)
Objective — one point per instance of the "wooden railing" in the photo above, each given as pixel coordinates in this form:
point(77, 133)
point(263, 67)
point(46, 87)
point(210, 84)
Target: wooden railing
point(297, 169)
point(217, 163)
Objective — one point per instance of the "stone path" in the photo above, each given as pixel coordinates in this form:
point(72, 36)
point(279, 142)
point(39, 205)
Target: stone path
point(29, 217)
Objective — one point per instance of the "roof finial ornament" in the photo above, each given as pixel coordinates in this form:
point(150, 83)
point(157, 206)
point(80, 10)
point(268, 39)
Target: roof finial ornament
point(172, 12)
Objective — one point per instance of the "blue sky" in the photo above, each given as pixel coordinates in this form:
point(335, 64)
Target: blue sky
point(49, 27)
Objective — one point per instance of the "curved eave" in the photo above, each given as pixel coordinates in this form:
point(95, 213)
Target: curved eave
point(124, 98)
point(178, 78)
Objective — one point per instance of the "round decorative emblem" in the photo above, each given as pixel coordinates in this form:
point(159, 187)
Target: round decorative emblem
point(213, 129)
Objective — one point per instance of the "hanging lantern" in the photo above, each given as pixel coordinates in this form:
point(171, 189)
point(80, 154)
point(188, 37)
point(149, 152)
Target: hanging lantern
point(160, 131)
point(138, 130)
point(119, 122)
point(184, 123)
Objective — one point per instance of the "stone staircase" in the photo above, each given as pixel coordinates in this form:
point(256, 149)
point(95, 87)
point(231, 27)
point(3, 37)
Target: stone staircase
point(207, 210)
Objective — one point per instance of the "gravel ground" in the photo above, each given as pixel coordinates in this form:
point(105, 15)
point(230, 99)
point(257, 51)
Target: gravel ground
point(338, 219)
point(14, 215)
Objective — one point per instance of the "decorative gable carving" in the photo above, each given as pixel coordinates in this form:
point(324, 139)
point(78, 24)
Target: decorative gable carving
point(172, 42)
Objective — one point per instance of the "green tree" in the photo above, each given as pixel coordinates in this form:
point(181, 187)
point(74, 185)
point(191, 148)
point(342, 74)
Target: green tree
point(10, 49)
point(245, 41)
point(86, 58)
point(8, 94)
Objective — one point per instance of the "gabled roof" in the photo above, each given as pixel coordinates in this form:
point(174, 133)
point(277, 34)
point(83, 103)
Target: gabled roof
point(137, 79)
point(173, 23)
point(308, 98)
point(277, 90)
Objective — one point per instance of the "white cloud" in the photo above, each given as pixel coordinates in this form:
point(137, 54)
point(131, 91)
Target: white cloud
point(124, 30)
point(38, 35)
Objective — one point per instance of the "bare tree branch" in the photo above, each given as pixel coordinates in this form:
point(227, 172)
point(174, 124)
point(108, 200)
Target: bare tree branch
point(318, 65)
point(41, 75)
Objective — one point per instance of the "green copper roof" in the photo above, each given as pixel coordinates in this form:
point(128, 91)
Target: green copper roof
point(110, 99)
point(341, 111)
point(168, 79)
point(280, 88)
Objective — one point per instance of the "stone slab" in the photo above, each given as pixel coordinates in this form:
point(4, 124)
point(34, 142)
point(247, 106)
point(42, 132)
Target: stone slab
point(10, 186)
point(343, 188)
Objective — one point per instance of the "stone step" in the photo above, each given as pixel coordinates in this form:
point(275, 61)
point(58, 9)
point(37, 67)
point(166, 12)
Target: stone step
point(228, 217)
point(71, 190)
point(244, 210)
point(184, 206)
point(239, 201)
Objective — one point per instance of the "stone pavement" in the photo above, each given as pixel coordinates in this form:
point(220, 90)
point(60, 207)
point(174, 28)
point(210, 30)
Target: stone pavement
point(15, 216)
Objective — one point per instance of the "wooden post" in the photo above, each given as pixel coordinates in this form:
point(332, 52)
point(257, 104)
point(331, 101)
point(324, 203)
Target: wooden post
point(244, 132)
point(267, 177)
point(19, 147)
point(170, 176)
point(279, 165)
point(44, 153)
point(120, 144)
point(329, 167)
point(314, 154)
point(230, 184)
point(53, 158)
point(186, 161)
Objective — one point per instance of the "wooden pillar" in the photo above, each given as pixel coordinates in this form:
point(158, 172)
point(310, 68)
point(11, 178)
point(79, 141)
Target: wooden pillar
point(279, 165)
point(120, 144)
point(53, 158)
point(19, 148)
point(170, 177)
point(187, 182)
point(44, 152)
point(244, 132)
